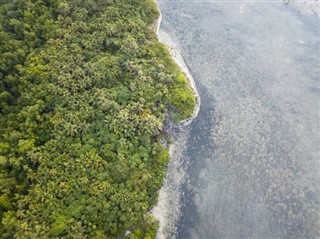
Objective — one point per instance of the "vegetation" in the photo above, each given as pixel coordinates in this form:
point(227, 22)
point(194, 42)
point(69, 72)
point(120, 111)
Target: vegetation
point(84, 93)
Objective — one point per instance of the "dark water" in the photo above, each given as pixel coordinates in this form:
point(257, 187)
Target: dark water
point(250, 161)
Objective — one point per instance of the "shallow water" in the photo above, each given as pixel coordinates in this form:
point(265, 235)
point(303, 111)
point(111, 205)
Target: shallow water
point(248, 166)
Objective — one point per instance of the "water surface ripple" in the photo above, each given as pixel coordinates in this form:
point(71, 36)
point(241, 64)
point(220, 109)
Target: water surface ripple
point(251, 158)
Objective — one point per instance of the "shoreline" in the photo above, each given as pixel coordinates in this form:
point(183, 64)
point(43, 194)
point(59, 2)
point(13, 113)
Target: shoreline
point(167, 209)
point(178, 59)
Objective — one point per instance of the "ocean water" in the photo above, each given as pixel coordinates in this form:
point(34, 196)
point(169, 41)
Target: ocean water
point(249, 165)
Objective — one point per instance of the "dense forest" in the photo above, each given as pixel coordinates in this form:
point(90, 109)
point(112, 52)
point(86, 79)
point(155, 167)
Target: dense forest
point(85, 91)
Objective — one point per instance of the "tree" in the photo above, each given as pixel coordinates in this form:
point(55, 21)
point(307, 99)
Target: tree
point(84, 92)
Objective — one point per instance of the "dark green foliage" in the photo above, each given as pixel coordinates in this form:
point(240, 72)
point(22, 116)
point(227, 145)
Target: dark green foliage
point(85, 88)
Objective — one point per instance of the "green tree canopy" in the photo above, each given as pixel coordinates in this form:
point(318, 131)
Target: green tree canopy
point(84, 93)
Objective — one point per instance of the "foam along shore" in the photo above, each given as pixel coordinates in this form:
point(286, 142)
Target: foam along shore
point(167, 210)
point(177, 57)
